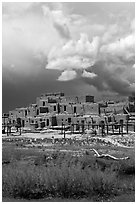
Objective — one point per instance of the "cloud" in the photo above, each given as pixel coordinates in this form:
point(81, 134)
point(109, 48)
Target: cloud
point(67, 75)
point(74, 54)
point(59, 21)
point(15, 9)
point(124, 47)
point(114, 79)
point(88, 74)
point(26, 34)
point(99, 50)
point(106, 61)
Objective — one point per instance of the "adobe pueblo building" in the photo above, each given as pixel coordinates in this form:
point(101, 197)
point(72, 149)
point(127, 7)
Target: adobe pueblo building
point(54, 110)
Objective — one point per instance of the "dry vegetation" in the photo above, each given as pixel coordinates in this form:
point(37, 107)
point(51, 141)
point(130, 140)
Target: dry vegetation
point(35, 174)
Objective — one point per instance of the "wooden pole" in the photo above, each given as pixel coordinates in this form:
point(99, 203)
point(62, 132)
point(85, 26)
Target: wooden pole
point(79, 128)
point(122, 129)
point(7, 130)
point(102, 129)
point(62, 128)
point(4, 125)
point(107, 128)
point(73, 128)
point(112, 129)
point(83, 127)
point(106, 124)
point(64, 131)
point(20, 130)
point(88, 125)
point(119, 128)
point(127, 126)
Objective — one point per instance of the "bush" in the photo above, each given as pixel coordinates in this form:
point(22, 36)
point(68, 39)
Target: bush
point(58, 181)
point(126, 167)
point(63, 175)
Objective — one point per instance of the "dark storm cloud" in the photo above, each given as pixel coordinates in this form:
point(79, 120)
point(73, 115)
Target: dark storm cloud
point(109, 79)
point(24, 90)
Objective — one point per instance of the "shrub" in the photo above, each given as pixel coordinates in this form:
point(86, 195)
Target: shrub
point(60, 181)
point(126, 167)
point(66, 176)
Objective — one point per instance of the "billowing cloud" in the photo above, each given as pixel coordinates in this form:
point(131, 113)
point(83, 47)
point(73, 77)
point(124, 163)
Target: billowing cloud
point(124, 47)
point(74, 55)
point(59, 21)
point(106, 61)
point(67, 75)
point(99, 50)
point(113, 60)
point(88, 74)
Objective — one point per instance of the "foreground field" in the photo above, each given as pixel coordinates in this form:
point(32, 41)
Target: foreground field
point(64, 172)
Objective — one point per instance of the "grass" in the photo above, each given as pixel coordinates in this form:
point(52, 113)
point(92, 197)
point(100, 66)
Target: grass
point(59, 181)
point(62, 176)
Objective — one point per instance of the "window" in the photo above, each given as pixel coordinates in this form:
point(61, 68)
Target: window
point(37, 112)
point(64, 108)
point(54, 108)
point(75, 110)
point(69, 120)
point(47, 122)
point(109, 119)
point(32, 121)
point(23, 123)
point(44, 110)
point(43, 103)
point(40, 119)
point(42, 124)
point(25, 112)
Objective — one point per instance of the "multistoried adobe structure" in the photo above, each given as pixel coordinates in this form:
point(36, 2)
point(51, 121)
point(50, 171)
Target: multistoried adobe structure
point(55, 109)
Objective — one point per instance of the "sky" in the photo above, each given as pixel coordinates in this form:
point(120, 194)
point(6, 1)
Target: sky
point(77, 48)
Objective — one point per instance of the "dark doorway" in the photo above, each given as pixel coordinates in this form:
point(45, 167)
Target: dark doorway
point(54, 121)
point(36, 125)
point(23, 123)
point(75, 109)
point(54, 108)
point(47, 122)
point(25, 112)
point(19, 122)
point(69, 120)
point(42, 124)
point(37, 111)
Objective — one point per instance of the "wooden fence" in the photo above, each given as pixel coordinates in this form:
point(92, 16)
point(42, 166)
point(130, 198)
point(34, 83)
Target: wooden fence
point(101, 129)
